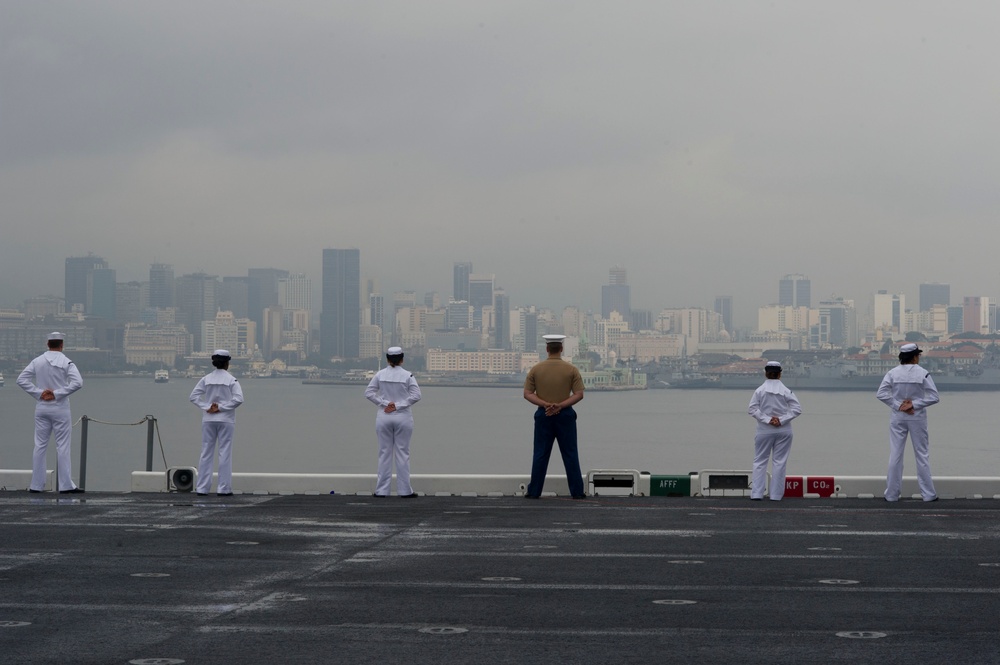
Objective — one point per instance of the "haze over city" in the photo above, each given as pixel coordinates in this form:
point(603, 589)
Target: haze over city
point(708, 148)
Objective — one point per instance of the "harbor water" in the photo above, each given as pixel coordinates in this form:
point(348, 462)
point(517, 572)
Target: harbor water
point(287, 427)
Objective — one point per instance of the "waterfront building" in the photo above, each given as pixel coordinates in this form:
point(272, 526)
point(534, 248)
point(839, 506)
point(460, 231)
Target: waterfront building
point(376, 312)
point(78, 269)
point(220, 333)
point(501, 320)
point(483, 362)
point(101, 294)
point(465, 339)
point(837, 325)
point(340, 320)
point(156, 346)
point(795, 291)
point(934, 293)
point(459, 315)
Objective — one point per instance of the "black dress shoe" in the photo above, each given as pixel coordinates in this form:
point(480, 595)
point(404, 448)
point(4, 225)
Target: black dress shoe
point(379, 496)
point(532, 496)
point(34, 491)
point(75, 490)
point(579, 496)
point(202, 493)
point(411, 495)
point(224, 494)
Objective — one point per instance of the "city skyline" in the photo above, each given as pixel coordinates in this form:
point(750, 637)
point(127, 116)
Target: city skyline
point(705, 147)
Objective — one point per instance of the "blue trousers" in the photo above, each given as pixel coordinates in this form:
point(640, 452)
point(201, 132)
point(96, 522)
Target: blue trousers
point(548, 429)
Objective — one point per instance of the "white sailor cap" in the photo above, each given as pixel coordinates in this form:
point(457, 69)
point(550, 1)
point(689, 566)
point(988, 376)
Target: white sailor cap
point(221, 352)
point(394, 351)
point(53, 336)
point(773, 363)
point(553, 338)
point(909, 348)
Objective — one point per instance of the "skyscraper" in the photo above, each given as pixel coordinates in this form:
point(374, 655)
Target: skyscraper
point(197, 301)
point(340, 320)
point(501, 333)
point(462, 270)
point(481, 289)
point(101, 290)
point(262, 292)
point(78, 268)
point(161, 285)
point(235, 291)
point(616, 295)
point(724, 308)
point(794, 290)
point(934, 293)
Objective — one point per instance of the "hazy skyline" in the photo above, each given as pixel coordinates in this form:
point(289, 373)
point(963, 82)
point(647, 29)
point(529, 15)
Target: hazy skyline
point(707, 148)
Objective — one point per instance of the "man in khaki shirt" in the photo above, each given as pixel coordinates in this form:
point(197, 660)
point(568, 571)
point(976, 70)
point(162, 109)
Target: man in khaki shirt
point(554, 386)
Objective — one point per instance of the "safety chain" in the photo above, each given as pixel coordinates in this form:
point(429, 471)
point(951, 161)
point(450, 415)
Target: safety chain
point(104, 422)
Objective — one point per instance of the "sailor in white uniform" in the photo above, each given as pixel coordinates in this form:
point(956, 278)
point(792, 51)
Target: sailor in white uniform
point(217, 394)
point(394, 391)
point(51, 378)
point(908, 390)
point(774, 407)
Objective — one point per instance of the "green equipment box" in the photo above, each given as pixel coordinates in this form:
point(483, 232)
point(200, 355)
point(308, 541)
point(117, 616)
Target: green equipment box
point(669, 485)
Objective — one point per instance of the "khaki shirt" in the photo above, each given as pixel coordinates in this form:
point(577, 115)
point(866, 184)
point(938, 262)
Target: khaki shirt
point(553, 380)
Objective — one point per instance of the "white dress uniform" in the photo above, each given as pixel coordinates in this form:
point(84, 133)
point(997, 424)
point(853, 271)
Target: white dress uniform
point(219, 387)
point(914, 383)
point(52, 371)
point(772, 399)
point(394, 430)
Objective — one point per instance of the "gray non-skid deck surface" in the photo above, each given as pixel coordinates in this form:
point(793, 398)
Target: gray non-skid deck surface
point(117, 578)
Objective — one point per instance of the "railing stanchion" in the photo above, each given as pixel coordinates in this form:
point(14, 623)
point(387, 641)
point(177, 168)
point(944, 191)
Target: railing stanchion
point(150, 426)
point(83, 452)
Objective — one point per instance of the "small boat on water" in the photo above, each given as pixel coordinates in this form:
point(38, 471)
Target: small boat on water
point(161, 376)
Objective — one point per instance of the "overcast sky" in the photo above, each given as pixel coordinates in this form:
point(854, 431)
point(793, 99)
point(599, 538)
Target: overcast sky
point(707, 147)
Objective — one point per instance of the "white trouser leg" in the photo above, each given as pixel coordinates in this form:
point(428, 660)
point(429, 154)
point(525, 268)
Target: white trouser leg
point(226, 458)
point(762, 453)
point(897, 444)
point(921, 452)
point(62, 432)
point(209, 434)
point(385, 430)
point(779, 461)
point(43, 430)
point(404, 431)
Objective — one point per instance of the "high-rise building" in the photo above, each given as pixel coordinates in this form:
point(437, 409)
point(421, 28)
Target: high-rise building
point(197, 301)
point(889, 311)
point(459, 315)
point(530, 323)
point(934, 293)
point(78, 268)
point(161, 286)
point(340, 319)
point(616, 295)
point(295, 292)
point(460, 291)
point(130, 299)
point(262, 292)
point(837, 326)
point(376, 315)
point(724, 308)
point(235, 291)
point(481, 289)
point(978, 313)
point(101, 299)
point(794, 291)
point(501, 324)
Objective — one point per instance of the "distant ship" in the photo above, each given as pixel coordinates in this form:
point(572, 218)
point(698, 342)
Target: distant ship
point(161, 376)
point(1, 380)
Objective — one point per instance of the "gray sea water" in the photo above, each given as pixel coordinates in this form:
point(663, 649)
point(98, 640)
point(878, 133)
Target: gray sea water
point(285, 426)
